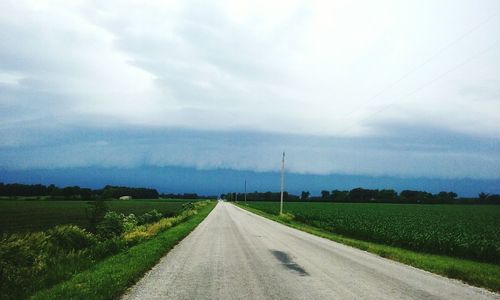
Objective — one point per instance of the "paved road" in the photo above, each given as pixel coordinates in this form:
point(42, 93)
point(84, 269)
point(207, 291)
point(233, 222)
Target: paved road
point(234, 254)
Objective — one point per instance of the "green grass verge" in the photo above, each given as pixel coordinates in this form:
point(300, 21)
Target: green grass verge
point(475, 273)
point(110, 278)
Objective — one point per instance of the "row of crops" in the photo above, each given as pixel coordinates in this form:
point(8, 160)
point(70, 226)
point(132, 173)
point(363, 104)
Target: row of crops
point(455, 230)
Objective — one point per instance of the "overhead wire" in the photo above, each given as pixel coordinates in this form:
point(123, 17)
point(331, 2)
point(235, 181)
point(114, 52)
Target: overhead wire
point(424, 63)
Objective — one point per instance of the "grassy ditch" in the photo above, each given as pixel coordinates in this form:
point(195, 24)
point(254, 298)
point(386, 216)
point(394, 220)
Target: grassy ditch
point(476, 273)
point(109, 278)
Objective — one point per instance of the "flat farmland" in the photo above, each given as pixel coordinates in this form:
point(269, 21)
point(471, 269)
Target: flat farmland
point(465, 231)
point(23, 216)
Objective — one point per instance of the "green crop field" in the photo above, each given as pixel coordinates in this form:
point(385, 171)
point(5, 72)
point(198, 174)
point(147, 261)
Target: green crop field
point(23, 216)
point(456, 230)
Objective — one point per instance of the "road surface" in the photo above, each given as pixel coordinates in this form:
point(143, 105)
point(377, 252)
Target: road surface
point(234, 254)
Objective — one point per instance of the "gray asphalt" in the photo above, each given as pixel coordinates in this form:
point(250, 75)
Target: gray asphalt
point(234, 254)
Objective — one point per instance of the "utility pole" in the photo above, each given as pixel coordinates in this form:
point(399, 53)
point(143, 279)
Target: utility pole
point(245, 191)
point(282, 181)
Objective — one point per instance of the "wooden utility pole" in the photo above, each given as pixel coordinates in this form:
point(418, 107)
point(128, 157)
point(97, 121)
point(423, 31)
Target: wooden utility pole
point(282, 182)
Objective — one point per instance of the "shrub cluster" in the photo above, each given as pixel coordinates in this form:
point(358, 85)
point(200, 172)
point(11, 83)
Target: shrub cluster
point(286, 217)
point(144, 232)
point(32, 261)
point(150, 217)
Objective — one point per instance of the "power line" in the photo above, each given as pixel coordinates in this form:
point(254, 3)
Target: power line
point(427, 61)
point(425, 85)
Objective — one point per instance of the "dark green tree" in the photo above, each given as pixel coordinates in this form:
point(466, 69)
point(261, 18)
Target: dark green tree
point(95, 213)
point(340, 196)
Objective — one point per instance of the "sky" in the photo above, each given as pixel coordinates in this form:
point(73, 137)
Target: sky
point(389, 90)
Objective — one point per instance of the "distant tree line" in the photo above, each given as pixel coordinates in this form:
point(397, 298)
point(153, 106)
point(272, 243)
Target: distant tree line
point(39, 190)
point(361, 195)
point(118, 191)
point(257, 196)
point(74, 192)
point(186, 196)
point(78, 193)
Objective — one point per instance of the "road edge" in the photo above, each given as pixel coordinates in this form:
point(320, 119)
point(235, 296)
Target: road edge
point(474, 274)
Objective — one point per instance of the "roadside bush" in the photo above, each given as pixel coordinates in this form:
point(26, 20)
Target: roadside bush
point(286, 217)
point(111, 225)
point(107, 248)
point(70, 237)
point(35, 261)
point(115, 224)
point(130, 222)
point(21, 259)
point(32, 261)
point(139, 234)
point(145, 232)
point(150, 217)
point(188, 206)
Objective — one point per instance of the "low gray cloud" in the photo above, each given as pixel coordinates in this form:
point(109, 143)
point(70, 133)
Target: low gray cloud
point(435, 154)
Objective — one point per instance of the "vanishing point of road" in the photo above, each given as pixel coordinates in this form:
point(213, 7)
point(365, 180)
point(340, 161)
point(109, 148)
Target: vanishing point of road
point(234, 254)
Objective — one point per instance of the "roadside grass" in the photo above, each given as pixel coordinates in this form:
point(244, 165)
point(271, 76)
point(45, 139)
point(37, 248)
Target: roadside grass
point(111, 277)
point(472, 272)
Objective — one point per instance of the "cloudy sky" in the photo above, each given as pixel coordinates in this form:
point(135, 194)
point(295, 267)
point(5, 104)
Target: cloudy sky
point(405, 89)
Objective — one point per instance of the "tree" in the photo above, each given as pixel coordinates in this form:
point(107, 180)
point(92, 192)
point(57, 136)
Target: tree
point(362, 195)
point(483, 197)
point(416, 196)
point(489, 199)
point(52, 190)
point(387, 195)
point(86, 194)
point(446, 196)
point(304, 195)
point(95, 213)
point(108, 193)
point(339, 196)
point(494, 199)
point(325, 195)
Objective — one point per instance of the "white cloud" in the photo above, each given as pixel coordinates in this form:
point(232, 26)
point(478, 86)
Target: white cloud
point(292, 67)
point(306, 64)
point(12, 79)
